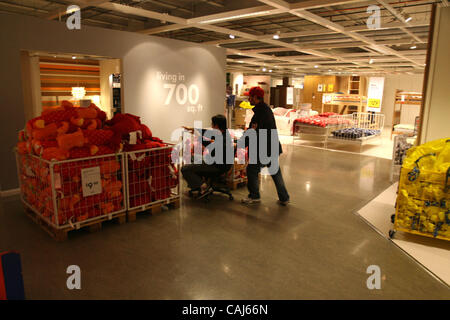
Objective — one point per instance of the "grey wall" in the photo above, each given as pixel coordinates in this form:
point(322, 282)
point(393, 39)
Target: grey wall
point(142, 57)
point(436, 114)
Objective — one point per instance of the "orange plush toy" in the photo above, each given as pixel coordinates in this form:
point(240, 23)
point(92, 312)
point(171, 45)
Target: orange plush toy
point(71, 140)
point(87, 113)
point(47, 132)
point(53, 153)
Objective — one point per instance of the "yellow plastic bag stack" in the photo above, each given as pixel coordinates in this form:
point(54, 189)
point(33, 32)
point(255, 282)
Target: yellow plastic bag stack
point(423, 200)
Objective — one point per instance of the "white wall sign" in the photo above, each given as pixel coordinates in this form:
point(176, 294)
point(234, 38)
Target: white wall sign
point(375, 94)
point(290, 95)
point(91, 181)
point(185, 95)
point(319, 88)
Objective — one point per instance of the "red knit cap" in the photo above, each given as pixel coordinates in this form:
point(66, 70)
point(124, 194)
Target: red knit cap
point(256, 91)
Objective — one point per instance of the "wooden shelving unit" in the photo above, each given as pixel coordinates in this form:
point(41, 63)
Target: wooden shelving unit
point(354, 85)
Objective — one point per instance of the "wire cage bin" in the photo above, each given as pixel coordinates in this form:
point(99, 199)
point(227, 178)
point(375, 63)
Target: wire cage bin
point(423, 203)
point(152, 178)
point(70, 194)
point(238, 172)
point(400, 147)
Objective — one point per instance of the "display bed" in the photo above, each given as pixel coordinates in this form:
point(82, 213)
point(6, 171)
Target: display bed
point(401, 100)
point(366, 128)
point(313, 133)
point(358, 141)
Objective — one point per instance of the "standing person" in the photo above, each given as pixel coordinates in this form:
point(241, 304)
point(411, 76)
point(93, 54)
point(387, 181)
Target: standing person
point(263, 120)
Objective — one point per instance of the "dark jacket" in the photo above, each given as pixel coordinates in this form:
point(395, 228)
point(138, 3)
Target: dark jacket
point(228, 149)
point(264, 119)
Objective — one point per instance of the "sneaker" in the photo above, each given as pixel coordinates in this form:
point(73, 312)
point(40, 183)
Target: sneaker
point(250, 200)
point(283, 203)
point(205, 193)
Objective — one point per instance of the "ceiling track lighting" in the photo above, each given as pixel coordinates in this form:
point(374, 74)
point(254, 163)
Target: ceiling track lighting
point(407, 17)
point(245, 15)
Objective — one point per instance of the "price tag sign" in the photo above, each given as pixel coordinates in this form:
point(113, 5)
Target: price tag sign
point(374, 103)
point(91, 180)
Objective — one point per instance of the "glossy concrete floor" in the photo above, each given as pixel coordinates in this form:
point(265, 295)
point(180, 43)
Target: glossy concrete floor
point(316, 248)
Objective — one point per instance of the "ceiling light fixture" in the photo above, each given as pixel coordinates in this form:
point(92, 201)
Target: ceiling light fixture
point(245, 15)
point(270, 70)
point(276, 36)
point(316, 66)
point(264, 69)
point(73, 57)
point(370, 61)
point(413, 46)
point(232, 36)
point(407, 17)
point(78, 92)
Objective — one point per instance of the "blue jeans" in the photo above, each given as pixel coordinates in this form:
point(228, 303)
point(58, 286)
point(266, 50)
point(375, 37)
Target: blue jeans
point(253, 182)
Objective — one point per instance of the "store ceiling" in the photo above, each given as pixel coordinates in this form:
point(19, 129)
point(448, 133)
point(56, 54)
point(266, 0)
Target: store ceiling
point(315, 36)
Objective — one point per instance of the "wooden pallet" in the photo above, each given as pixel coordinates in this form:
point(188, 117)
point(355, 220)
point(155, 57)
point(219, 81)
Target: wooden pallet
point(237, 183)
point(61, 234)
point(152, 208)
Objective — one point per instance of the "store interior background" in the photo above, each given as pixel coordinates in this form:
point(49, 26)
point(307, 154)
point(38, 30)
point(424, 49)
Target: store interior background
point(220, 51)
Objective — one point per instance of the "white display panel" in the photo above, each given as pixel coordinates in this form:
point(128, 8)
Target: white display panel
point(375, 94)
point(290, 95)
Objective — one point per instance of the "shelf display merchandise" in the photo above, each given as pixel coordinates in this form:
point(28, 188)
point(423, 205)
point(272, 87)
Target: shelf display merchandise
point(72, 169)
point(423, 199)
point(402, 143)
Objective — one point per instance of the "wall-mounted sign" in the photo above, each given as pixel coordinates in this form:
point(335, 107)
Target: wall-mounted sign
point(330, 87)
point(375, 94)
point(186, 95)
point(319, 88)
point(290, 95)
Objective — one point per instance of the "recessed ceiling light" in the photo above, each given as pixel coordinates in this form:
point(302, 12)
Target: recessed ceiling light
point(316, 66)
point(407, 17)
point(73, 57)
point(240, 61)
point(276, 37)
point(413, 47)
point(329, 70)
point(264, 69)
point(370, 61)
point(270, 70)
point(232, 36)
